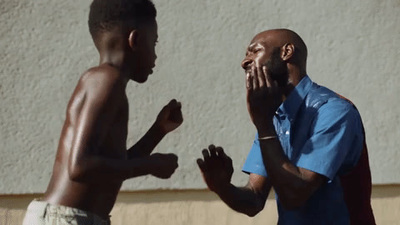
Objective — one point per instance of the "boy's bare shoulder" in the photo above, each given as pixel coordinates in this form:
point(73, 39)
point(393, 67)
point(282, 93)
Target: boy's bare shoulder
point(101, 78)
point(101, 85)
point(102, 74)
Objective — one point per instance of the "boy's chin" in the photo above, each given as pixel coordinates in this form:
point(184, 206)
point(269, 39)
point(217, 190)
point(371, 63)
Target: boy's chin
point(140, 79)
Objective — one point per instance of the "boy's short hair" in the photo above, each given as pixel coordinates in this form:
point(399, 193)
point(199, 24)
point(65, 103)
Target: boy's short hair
point(107, 14)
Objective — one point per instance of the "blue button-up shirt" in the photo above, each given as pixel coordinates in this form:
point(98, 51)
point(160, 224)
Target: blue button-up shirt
point(321, 132)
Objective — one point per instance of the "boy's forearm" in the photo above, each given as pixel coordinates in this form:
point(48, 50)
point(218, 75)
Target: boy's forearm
point(147, 143)
point(242, 200)
point(102, 169)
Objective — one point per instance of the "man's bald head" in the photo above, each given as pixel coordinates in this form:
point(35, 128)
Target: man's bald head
point(282, 52)
point(277, 38)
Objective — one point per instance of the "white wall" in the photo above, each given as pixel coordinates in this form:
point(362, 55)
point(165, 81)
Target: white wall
point(45, 46)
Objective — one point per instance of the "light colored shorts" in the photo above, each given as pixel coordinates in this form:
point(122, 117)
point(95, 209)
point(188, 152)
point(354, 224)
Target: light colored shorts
point(43, 213)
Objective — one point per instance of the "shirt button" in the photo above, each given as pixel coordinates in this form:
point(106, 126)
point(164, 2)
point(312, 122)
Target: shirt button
point(287, 132)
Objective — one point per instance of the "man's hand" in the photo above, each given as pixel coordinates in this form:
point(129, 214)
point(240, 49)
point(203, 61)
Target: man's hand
point(216, 168)
point(170, 117)
point(164, 165)
point(263, 96)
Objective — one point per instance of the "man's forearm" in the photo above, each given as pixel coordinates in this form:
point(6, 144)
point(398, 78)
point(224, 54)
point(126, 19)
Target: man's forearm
point(242, 200)
point(286, 178)
point(147, 143)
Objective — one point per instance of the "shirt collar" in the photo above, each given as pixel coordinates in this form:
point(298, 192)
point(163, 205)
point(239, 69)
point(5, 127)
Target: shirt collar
point(292, 103)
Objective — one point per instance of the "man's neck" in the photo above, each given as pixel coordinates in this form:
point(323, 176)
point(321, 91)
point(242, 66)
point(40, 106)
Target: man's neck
point(295, 76)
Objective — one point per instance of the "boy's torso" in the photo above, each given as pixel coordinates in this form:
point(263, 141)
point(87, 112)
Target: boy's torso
point(98, 196)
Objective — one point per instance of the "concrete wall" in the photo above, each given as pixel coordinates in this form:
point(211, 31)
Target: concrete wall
point(45, 46)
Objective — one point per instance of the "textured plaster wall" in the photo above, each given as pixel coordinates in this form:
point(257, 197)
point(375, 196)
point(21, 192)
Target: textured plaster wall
point(45, 46)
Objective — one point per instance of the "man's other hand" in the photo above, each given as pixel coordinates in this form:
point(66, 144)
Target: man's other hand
point(216, 168)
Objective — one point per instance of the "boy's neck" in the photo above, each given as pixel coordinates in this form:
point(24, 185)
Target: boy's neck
point(112, 50)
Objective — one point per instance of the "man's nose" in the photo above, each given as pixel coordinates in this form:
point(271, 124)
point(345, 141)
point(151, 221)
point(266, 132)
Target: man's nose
point(246, 63)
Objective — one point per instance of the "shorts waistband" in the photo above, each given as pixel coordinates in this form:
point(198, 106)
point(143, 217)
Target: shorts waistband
point(42, 208)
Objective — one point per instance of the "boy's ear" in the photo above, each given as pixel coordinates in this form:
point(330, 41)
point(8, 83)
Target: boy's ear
point(133, 39)
point(287, 51)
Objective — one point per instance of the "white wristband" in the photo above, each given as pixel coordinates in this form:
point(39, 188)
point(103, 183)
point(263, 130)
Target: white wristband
point(267, 138)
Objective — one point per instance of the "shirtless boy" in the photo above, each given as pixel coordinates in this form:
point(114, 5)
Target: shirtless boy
point(92, 159)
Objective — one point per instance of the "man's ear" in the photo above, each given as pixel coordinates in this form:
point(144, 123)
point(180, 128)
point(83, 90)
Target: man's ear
point(133, 39)
point(287, 51)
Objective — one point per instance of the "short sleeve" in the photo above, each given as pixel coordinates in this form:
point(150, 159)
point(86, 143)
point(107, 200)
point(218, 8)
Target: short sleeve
point(254, 161)
point(336, 139)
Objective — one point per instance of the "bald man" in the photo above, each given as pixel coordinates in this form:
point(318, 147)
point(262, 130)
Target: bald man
point(309, 146)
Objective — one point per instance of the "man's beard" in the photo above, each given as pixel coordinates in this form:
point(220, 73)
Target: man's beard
point(277, 68)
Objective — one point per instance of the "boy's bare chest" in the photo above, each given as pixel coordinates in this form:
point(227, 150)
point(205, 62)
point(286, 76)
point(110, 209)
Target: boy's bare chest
point(117, 135)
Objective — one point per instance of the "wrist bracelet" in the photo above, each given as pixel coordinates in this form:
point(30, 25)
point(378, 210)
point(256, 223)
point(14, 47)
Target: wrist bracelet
point(267, 138)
